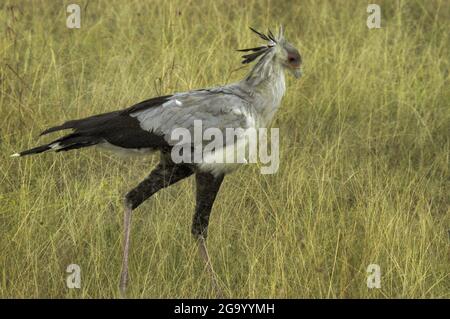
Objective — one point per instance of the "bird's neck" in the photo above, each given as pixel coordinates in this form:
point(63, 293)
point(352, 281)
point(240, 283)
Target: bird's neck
point(265, 72)
point(267, 84)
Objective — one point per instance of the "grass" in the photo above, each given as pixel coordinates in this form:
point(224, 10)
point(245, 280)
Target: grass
point(364, 156)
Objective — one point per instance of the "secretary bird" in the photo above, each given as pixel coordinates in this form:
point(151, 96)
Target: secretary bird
point(147, 126)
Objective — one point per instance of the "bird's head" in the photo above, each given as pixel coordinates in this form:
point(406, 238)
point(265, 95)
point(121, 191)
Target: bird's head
point(279, 48)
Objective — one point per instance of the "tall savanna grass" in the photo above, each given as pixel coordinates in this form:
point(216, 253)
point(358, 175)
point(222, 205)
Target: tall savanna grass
point(364, 162)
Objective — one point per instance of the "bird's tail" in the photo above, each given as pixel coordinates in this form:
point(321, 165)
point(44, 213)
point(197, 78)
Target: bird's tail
point(65, 143)
point(86, 133)
point(117, 128)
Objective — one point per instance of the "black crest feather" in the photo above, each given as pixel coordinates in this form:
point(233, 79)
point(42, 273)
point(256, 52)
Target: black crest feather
point(253, 49)
point(252, 56)
point(258, 51)
point(261, 35)
point(271, 36)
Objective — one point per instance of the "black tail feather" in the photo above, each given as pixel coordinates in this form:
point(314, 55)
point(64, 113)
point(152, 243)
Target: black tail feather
point(75, 146)
point(36, 150)
point(118, 128)
point(65, 143)
point(86, 123)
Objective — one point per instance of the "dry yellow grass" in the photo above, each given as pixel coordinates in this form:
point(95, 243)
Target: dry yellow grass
point(364, 163)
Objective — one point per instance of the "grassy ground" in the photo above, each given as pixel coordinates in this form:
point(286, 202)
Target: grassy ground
point(364, 167)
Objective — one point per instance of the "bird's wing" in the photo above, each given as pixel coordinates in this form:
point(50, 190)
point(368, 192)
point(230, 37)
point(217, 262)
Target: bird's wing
point(220, 108)
point(150, 123)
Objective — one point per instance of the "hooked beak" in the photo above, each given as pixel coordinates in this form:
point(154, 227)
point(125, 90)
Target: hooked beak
point(297, 73)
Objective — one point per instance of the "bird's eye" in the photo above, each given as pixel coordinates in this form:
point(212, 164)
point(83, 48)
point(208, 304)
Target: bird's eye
point(292, 59)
